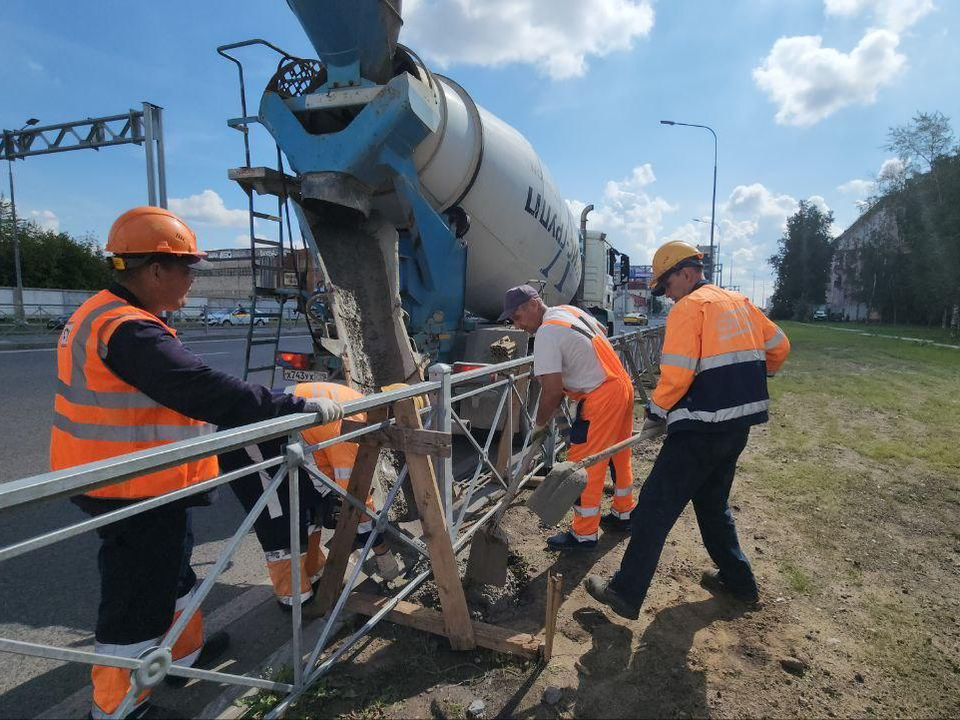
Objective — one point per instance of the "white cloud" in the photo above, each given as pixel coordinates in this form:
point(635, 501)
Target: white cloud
point(891, 168)
point(894, 15)
point(46, 219)
point(557, 37)
point(631, 217)
point(809, 82)
point(208, 208)
point(856, 187)
point(756, 201)
point(820, 202)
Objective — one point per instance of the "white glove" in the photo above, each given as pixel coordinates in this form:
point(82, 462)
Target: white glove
point(650, 420)
point(327, 409)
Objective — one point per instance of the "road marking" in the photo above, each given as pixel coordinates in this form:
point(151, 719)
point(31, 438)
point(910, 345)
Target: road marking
point(11, 352)
point(224, 352)
point(893, 337)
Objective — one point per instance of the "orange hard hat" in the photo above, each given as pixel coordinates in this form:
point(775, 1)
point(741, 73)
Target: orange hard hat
point(148, 230)
point(667, 257)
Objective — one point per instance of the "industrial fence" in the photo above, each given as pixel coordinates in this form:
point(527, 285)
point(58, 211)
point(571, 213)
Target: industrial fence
point(465, 501)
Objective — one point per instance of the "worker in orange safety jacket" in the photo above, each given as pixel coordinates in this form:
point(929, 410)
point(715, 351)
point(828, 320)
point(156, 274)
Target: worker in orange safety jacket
point(319, 505)
point(572, 357)
point(126, 383)
point(718, 352)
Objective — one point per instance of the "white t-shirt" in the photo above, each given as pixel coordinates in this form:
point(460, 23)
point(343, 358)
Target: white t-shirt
point(564, 350)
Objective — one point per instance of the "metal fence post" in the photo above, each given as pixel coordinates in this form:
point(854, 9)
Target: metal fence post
point(294, 461)
point(443, 422)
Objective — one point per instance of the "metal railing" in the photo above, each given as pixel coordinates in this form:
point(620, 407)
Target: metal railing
point(468, 501)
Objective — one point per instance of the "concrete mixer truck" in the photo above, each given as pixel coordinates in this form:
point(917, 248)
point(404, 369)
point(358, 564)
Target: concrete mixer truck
point(419, 207)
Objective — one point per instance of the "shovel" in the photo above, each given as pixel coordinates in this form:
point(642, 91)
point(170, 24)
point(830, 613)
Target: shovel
point(490, 547)
point(565, 482)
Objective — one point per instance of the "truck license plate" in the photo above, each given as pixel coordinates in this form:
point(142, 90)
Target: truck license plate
point(304, 375)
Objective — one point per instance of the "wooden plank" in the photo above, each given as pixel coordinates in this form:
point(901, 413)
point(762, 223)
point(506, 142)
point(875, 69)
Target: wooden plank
point(554, 598)
point(492, 637)
point(459, 628)
point(361, 478)
point(423, 442)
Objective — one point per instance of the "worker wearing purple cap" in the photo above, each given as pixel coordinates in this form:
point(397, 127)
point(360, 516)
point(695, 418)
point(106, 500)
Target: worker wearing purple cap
point(572, 357)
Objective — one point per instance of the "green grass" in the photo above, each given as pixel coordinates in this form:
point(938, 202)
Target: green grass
point(861, 463)
point(798, 579)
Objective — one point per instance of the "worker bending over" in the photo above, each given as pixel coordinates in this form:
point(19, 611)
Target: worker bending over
point(126, 383)
point(319, 505)
point(572, 357)
point(717, 354)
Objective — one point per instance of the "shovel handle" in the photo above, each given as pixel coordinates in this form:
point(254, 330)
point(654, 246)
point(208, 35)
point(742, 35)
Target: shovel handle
point(622, 445)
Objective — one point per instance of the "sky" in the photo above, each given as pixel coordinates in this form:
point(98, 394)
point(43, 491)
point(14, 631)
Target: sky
point(801, 94)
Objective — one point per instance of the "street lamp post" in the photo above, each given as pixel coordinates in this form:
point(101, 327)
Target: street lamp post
point(18, 290)
point(713, 205)
point(714, 261)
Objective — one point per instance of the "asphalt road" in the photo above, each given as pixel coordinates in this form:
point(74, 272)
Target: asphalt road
point(50, 595)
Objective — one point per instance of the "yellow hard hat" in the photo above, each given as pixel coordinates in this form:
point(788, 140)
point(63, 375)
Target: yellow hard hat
point(667, 257)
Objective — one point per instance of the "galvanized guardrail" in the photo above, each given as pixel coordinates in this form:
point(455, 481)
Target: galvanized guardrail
point(468, 502)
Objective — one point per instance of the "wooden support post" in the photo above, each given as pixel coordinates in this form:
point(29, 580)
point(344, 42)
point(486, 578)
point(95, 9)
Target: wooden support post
point(416, 616)
point(361, 478)
point(456, 616)
point(554, 599)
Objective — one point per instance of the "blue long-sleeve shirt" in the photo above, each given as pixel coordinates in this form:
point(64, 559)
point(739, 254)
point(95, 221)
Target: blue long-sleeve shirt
point(147, 356)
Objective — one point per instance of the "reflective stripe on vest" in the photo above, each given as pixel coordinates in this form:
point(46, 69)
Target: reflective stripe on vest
point(99, 416)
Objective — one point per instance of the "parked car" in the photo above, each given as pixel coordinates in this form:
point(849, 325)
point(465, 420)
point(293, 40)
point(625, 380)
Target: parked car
point(237, 316)
point(820, 314)
point(634, 319)
point(58, 322)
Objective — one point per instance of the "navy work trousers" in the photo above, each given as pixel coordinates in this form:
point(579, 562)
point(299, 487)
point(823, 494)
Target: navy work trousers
point(691, 466)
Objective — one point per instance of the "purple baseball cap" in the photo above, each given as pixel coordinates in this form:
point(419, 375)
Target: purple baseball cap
point(514, 298)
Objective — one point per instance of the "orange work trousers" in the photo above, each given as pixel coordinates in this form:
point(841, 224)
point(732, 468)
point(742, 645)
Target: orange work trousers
point(604, 418)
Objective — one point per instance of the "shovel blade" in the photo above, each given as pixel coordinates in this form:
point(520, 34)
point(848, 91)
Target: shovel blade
point(489, 552)
point(560, 489)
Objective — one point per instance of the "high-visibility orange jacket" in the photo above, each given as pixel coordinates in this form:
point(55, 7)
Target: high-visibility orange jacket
point(99, 416)
point(717, 353)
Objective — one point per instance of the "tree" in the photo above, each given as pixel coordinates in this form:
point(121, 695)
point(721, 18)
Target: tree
point(921, 142)
point(802, 263)
point(50, 259)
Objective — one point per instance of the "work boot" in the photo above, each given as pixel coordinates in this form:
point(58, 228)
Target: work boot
point(601, 591)
point(567, 542)
point(612, 522)
point(712, 581)
point(213, 648)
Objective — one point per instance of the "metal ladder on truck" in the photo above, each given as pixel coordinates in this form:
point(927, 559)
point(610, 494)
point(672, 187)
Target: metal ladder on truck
point(268, 277)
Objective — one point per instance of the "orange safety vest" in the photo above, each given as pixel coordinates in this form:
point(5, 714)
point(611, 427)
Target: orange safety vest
point(717, 352)
point(98, 416)
point(606, 355)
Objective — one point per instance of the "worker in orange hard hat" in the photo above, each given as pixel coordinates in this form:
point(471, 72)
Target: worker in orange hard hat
point(126, 383)
point(572, 357)
point(718, 351)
